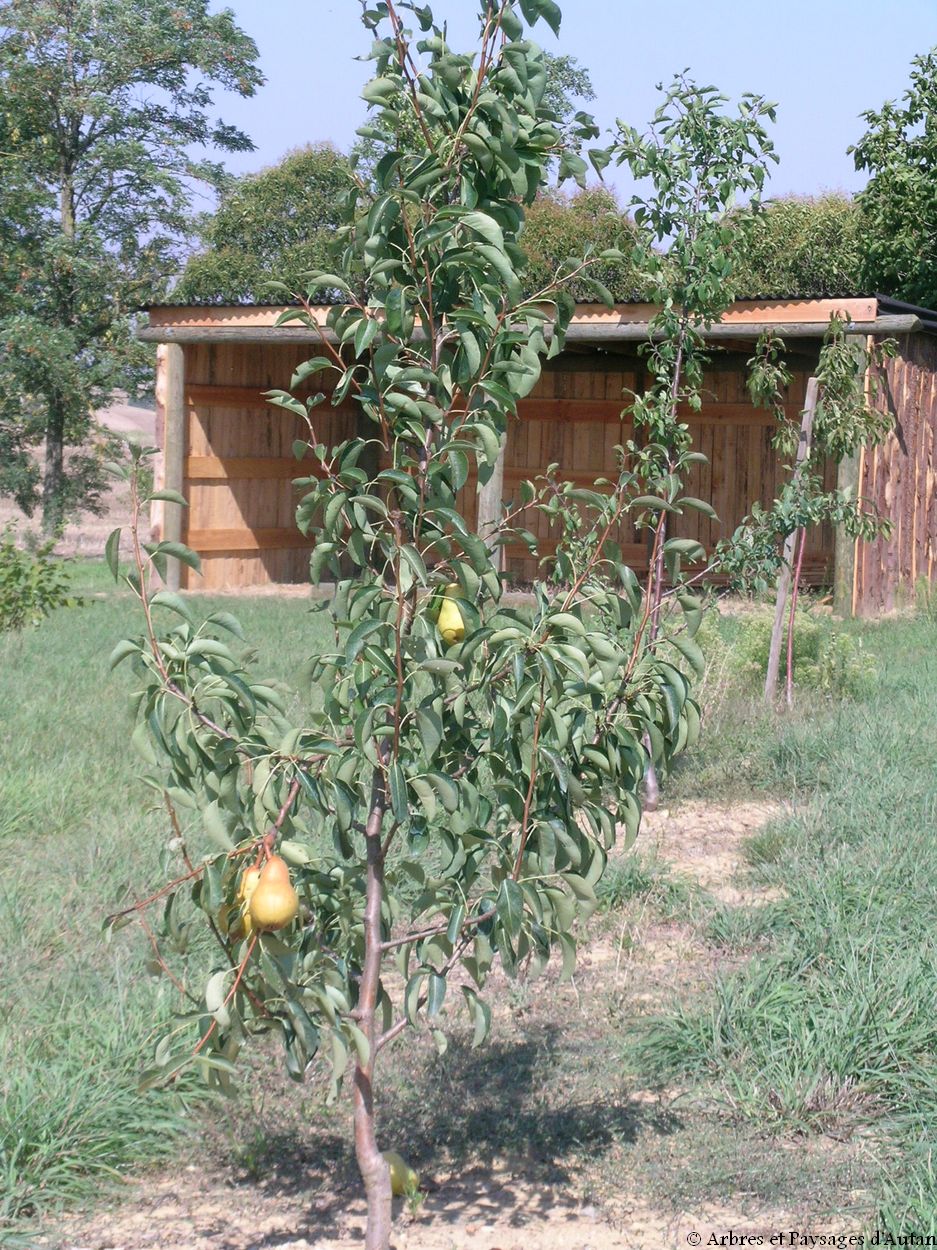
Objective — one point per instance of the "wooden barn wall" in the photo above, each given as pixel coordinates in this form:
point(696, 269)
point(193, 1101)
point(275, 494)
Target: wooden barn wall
point(898, 477)
point(239, 465)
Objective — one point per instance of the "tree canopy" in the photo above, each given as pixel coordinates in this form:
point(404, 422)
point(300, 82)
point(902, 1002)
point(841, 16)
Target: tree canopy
point(102, 103)
point(899, 204)
point(808, 246)
point(276, 224)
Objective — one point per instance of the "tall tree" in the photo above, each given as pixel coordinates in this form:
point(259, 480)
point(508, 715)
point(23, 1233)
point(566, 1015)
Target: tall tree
point(802, 245)
point(279, 223)
point(899, 205)
point(102, 103)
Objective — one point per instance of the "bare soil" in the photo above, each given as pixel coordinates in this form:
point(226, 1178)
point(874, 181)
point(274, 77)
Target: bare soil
point(87, 536)
point(539, 1141)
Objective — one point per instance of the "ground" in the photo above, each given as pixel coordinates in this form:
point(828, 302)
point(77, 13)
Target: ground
point(598, 1164)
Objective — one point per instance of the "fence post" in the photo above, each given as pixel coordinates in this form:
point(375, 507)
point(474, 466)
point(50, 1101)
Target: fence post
point(170, 400)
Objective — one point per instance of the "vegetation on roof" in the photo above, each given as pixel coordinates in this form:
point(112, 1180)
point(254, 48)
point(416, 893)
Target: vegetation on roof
point(804, 246)
point(280, 223)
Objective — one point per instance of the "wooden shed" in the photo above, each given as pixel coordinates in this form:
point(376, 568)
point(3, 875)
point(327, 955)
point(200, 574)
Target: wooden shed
point(230, 452)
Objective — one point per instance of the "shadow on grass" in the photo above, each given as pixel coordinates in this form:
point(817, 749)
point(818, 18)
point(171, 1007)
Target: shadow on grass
point(494, 1132)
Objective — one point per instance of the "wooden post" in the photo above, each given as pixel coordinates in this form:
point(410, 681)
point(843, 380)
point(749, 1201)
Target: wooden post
point(170, 398)
point(491, 504)
point(784, 580)
point(844, 548)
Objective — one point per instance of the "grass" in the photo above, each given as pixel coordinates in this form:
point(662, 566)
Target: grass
point(645, 877)
point(827, 1027)
point(75, 824)
point(832, 1029)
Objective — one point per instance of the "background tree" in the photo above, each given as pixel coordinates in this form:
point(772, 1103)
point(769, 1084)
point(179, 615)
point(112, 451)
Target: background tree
point(276, 224)
point(698, 160)
point(559, 227)
point(899, 204)
point(102, 103)
point(801, 245)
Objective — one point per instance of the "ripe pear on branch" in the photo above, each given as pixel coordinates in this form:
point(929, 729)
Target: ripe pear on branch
point(273, 903)
point(449, 622)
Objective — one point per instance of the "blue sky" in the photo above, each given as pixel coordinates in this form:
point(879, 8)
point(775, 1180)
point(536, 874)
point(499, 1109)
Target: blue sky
point(822, 61)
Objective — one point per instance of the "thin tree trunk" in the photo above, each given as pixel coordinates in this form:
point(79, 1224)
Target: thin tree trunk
point(373, 1167)
point(651, 783)
point(53, 478)
point(784, 580)
point(789, 675)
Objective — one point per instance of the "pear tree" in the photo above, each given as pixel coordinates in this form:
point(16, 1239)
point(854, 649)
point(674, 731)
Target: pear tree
point(451, 803)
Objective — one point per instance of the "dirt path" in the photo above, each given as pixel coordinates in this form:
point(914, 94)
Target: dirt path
point(303, 1193)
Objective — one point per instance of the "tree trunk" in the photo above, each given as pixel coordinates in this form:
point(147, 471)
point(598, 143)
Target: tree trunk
point(371, 1163)
point(784, 580)
point(53, 478)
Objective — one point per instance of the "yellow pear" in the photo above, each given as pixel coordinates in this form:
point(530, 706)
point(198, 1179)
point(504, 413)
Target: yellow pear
point(403, 1179)
point(449, 622)
point(248, 884)
point(273, 902)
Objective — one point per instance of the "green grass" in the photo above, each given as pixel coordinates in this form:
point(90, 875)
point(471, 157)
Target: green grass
point(76, 824)
point(833, 1029)
point(645, 877)
point(828, 1028)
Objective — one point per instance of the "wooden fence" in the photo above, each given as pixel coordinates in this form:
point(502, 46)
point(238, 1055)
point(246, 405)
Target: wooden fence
point(237, 462)
point(898, 478)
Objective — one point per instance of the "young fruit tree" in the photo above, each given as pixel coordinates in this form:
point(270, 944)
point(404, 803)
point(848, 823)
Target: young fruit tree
point(452, 802)
point(699, 163)
point(839, 418)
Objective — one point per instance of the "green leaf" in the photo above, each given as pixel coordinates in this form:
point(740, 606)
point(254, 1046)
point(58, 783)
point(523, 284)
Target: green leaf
point(170, 496)
point(481, 1016)
point(487, 227)
point(691, 650)
point(175, 603)
point(398, 792)
point(436, 994)
point(510, 906)
point(111, 553)
point(179, 551)
point(446, 788)
point(411, 997)
point(124, 648)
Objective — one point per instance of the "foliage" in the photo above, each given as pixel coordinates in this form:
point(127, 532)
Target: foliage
point(846, 418)
point(568, 84)
point(699, 162)
point(558, 228)
point(276, 224)
point(32, 583)
point(804, 246)
point(102, 102)
point(828, 659)
point(899, 203)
